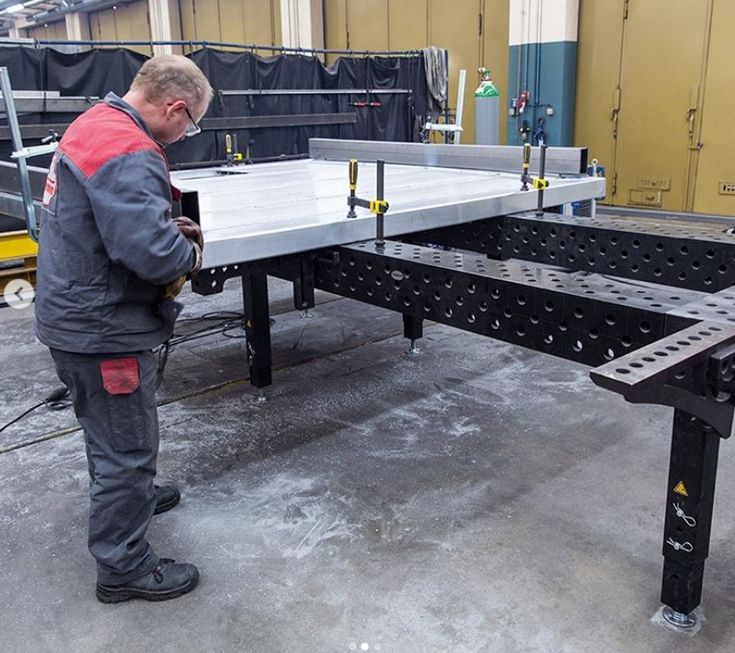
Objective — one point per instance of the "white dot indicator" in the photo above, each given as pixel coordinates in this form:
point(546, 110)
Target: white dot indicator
point(18, 294)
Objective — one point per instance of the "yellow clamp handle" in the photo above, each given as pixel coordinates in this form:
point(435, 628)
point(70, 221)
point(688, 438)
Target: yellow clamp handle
point(378, 206)
point(540, 184)
point(526, 156)
point(353, 174)
point(237, 156)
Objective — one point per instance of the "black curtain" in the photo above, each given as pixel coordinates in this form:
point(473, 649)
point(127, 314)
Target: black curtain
point(396, 118)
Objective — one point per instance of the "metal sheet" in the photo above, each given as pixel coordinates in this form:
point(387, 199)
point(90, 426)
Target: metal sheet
point(12, 206)
point(52, 104)
point(281, 120)
point(559, 160)
point(296, 206)
point(10, 183)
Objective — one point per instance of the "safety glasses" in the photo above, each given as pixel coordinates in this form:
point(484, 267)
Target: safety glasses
point(192, 129)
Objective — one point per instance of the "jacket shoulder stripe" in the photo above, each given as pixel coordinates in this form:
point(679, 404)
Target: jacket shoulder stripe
point(102, 134)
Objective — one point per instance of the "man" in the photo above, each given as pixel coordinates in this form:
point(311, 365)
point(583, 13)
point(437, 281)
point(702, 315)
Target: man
point(110, 260)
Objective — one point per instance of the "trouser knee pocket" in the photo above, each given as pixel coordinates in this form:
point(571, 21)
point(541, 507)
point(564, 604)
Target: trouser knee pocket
point(129, 404)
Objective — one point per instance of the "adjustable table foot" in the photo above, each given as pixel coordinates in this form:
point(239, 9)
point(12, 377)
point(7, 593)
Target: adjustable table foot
point(678, 619)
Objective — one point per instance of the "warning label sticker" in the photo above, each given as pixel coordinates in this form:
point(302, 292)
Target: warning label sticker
point(681, 489)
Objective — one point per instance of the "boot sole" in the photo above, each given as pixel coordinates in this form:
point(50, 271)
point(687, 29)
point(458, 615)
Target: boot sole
point(165, 507)
point(108, 594)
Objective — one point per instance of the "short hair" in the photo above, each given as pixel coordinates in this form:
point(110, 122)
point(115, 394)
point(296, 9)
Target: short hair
point(173, 76)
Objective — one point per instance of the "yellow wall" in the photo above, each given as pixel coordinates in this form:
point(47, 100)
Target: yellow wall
point(52, 31)
point(598, 77)
point(232, 21)
point(125, 23)
point(668, 60)
point(494, 54)
point(414, 24)
point(717, 158)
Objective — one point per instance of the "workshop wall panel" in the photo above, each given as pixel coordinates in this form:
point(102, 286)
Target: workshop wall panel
point(367, 24)
point(663, 48)
point(335, 27)
point(598, 79)
point(188, 22)
point(247, 21)
point(494, 55)
point(715, 178)
point(456, 27)
point(475, 32)
point(233, 21)
point(206, 21)
point(644, 72)
point(407, 24)
point(55, 30)
point(124, 23)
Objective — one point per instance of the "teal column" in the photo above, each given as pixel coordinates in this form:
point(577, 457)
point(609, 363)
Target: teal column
point(542, 65)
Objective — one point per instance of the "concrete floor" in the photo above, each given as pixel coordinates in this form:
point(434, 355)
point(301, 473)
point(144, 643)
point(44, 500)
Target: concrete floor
point(479, 497)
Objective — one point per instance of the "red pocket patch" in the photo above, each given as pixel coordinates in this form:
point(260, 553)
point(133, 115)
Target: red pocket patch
point(120, 375)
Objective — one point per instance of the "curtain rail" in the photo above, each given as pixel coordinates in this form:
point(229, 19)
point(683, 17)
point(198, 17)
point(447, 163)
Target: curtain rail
point(223, 44)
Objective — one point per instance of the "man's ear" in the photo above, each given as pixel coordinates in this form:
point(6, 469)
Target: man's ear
point(173, 107)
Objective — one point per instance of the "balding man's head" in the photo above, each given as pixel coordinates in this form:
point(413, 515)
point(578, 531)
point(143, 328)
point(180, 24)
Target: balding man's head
point(173, 77)
point(171, 95)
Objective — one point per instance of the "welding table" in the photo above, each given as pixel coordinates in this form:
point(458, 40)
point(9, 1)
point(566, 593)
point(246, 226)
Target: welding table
point(650, 307)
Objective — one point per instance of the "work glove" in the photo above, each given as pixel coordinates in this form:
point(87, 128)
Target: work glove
point(198, 262)
point(190, 230)
point(193, 233)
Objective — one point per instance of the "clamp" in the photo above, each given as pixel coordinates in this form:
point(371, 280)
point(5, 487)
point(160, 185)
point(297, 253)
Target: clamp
point(539, 183)
point(378, 206)
point(233, 156)
point(525, 175)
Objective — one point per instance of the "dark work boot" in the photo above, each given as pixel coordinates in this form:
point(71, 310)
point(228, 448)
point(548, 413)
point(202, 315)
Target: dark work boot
point(167, 496)
point(167, 581)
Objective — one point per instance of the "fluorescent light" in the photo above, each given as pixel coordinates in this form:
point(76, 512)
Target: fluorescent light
point(14, 9)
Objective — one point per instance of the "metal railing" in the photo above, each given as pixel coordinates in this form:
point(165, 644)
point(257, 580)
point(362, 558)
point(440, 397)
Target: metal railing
point(252, 47)
point(21, 153)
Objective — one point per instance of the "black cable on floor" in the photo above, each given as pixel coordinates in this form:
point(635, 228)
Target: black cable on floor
point(54, 401)
point(226, 323)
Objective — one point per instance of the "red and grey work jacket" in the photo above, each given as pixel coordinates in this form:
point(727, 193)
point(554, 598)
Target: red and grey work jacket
point(107, 243)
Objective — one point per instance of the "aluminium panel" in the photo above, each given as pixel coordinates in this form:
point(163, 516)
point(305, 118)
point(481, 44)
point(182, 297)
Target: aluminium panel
point(289, 207)
point(507, 158)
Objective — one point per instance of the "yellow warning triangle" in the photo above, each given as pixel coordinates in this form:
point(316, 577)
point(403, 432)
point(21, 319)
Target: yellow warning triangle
point(681, 489)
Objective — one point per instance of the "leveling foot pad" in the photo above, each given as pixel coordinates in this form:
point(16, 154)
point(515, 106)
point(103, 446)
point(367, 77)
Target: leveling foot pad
point(167, 581)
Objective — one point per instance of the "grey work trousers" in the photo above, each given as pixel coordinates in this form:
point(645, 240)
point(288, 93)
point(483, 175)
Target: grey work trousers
point(114, 397)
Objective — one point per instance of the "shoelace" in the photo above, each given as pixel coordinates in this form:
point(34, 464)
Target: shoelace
point(158, 571)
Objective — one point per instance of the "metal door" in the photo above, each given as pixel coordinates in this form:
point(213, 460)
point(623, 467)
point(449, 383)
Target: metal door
point(664, 48)
point(597, 105)
point(715, 179)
